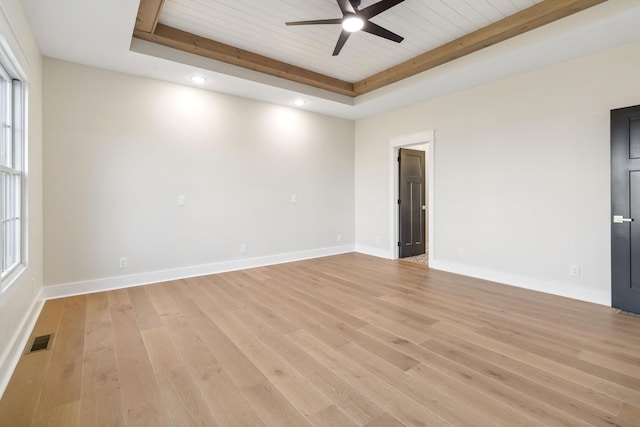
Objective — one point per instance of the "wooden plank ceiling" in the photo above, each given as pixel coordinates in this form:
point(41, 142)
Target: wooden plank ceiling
point(252, 35)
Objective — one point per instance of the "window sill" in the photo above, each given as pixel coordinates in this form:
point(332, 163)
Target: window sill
point(12, 278)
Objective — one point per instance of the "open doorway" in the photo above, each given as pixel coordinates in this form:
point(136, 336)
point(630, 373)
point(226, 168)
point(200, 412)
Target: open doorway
point(422, 141)
point(412, 203)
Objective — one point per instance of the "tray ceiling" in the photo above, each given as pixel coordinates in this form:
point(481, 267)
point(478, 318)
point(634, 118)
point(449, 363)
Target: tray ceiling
point(252, 34)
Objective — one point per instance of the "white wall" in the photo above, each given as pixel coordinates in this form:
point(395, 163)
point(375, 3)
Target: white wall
point(119, 150)
point(521, 174)
point(19, 303)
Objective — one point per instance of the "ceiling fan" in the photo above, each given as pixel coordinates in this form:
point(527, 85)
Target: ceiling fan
point(354, 20)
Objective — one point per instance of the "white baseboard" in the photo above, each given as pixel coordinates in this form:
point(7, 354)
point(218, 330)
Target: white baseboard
point(120, 282)
point(373, 251)
point(534, 284)
point(18, 341)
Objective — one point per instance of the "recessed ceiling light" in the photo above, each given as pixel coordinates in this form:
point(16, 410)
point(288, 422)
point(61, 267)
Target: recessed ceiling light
point(353, 24)
point(299, 102)
point(198, 79)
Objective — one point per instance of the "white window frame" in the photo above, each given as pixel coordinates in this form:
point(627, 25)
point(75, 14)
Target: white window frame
point(13, 173)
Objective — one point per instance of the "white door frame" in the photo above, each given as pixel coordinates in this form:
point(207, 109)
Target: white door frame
point(419, 138)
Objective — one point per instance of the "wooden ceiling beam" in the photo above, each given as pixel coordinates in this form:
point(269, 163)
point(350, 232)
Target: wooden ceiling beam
point(526, 20)
point(191, 43)
point(148, 15)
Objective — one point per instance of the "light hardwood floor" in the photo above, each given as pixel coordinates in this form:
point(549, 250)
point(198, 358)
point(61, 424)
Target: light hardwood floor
point(349, 340)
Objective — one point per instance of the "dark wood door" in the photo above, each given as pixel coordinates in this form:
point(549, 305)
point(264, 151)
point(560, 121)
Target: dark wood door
point(625, 209)
point(412, 203)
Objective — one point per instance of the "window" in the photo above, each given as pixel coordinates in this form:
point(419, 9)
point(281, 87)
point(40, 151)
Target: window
point(11, 174)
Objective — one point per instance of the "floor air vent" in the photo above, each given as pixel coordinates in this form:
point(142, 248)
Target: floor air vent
point(40, 343)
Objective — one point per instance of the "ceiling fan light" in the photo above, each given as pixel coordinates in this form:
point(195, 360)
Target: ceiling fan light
point(353, 24)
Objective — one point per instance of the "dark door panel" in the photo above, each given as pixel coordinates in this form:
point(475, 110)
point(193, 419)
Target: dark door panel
point(412, 200)
point(625, 209)
point(634, 228)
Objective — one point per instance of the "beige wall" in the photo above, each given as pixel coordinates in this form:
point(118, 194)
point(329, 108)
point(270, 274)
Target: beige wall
point(521, 174)
point(18, 304)
point(121, 149)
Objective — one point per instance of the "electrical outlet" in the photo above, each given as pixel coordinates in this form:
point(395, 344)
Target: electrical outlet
point(377, 239)
point(339, 238)
point(294, 199)
point(574, 270)
point(182, 200)
point(123, 262)
point(243, 248)
point(461, 252)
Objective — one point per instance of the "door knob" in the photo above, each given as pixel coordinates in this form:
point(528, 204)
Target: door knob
point(619, 219)
point(424, 207)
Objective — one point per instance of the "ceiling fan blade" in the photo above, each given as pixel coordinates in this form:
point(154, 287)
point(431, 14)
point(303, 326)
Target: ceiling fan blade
point(377, 30)
point(344, 35)
point(378, 8)
point(316, 22)
point(346, 7)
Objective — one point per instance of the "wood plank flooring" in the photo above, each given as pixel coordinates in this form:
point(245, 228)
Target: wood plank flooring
point(348, 340)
